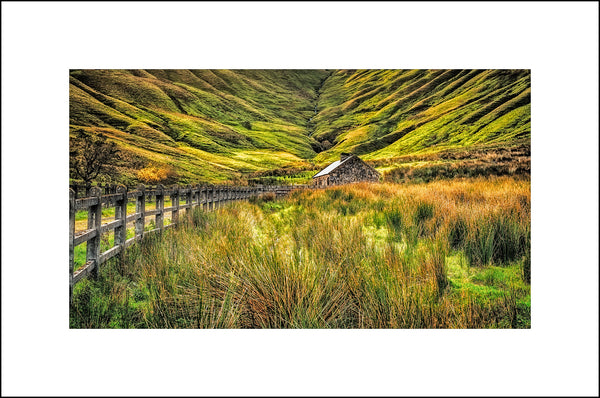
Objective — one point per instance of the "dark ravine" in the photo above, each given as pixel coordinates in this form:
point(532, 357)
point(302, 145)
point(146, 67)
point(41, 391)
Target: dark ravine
point(310, 124)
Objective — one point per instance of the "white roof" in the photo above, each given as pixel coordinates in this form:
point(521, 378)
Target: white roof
point(330, 168)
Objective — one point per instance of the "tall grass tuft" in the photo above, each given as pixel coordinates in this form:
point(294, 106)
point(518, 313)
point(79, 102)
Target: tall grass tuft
point(498, 238)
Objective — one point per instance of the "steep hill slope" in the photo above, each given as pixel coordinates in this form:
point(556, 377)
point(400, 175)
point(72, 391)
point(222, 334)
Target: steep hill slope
point(208, 124)
point(387, 113)
point(219, 125)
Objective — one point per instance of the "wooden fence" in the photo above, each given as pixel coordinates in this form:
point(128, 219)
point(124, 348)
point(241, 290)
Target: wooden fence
point(207, 197)
point(81, 190)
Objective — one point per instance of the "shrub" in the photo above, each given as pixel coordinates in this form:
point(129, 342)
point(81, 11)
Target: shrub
point(156, 174)
point(262, 198)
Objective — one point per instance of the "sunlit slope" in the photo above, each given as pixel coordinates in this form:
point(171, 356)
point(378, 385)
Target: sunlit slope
point(222, 125)
point(210, 124)
point(387, 113)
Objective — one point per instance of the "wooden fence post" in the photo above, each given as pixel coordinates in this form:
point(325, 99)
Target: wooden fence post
point(175, 205)
point(209, 195)
point(193, 197)
point(203, 195)
point(199, 196)
point(71, 240)
point(94, 222)
point(215, 197)
point(160, 205)
point(189, 201)
point(213, 202)
point(121, 214)
point(140, 208)
point(206, 191)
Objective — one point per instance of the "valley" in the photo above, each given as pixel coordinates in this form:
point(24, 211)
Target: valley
point(229, 126)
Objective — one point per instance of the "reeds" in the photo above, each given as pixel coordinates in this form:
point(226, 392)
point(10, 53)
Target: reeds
point(358, 256)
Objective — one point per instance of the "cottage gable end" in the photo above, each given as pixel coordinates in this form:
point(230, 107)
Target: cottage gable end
point(350, 168)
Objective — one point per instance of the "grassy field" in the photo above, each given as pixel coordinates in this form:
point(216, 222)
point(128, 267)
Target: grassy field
point(444, 254)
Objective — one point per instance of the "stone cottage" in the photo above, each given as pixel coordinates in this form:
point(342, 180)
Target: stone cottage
point(350, 168)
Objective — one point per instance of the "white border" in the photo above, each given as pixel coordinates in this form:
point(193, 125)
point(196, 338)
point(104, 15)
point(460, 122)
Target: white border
point(558, 41)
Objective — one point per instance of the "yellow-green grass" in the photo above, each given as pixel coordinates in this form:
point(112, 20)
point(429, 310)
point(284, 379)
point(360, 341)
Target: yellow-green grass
point(222, 125)
point(388, 113)
point(218, 112)
point(446, 254)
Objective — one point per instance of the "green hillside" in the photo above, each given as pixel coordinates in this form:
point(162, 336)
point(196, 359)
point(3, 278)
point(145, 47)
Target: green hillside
point(208, 124)
point(387, 113)
point(225, 125)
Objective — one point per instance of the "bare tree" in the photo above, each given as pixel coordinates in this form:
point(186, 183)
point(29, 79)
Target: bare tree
point(91, 155)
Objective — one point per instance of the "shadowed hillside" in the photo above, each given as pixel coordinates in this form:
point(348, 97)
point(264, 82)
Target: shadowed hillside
point(224, 125)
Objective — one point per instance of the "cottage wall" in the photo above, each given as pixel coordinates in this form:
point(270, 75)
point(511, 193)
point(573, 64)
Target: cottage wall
point(321, 181)
point(353, 170)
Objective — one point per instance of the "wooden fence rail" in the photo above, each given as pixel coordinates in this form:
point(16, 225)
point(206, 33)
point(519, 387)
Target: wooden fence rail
point(207, 198)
